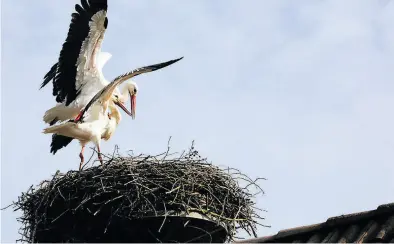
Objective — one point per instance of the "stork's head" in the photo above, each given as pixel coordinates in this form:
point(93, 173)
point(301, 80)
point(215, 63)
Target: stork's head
point(132, 88)
point(129, 90)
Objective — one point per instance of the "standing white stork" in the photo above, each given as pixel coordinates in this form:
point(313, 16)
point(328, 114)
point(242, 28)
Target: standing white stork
point(77, 76)
point(98, 125)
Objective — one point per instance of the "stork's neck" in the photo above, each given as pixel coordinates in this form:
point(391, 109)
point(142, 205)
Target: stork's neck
point(124, 92)
point(115, 114)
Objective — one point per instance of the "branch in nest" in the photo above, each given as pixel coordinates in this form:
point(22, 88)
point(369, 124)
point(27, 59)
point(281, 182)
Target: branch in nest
point(139, 186)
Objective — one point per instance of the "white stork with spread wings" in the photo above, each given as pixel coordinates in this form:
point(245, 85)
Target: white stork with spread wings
point(97, 125)
point(77, 76)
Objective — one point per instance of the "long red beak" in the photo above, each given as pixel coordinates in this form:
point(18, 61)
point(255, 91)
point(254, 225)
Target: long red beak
point(124, 108)
point(133, 103)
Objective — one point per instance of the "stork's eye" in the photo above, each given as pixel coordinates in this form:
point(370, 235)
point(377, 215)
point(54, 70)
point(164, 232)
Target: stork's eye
point(135, 90)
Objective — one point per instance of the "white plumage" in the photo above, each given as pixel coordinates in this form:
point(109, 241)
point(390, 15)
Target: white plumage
point(97, 126)
point(78, 76)
point(89, 77)
point(93, 123)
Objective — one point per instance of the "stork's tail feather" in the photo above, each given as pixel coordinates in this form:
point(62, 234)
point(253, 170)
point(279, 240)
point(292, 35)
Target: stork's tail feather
point(59, 113)
point(58, 142)
point(50, 116)
point(54, 128)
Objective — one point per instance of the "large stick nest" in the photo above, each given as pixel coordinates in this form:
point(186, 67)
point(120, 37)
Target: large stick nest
point(136, 187)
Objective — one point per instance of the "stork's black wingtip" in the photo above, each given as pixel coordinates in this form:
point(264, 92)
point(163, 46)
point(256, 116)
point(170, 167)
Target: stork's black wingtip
point(164, 64)
point(174, 60)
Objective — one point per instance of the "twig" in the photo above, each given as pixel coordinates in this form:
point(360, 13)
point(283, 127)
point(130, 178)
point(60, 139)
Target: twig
point(148, 185)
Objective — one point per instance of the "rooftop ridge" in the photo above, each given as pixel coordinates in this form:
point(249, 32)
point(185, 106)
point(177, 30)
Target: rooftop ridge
point(353, 221)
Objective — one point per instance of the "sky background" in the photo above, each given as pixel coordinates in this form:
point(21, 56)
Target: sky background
point(300, 92)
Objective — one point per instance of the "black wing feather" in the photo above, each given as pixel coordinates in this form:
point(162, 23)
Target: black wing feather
point(84, 4)
point(80, 9)
point(65, 72)
point(49, 76)
point(59, 141)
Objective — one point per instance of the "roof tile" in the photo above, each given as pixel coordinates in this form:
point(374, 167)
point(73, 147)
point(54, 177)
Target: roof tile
point(368, 226)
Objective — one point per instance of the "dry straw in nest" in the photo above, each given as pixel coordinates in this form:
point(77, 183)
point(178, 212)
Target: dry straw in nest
point(135, 187)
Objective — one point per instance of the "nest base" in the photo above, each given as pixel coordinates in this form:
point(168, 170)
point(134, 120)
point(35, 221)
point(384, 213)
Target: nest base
point(146, 230)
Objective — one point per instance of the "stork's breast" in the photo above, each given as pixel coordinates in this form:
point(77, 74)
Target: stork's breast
point(106, 135)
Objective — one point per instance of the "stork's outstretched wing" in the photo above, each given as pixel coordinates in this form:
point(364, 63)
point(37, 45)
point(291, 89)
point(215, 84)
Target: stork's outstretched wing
point(78, 55)
point(105, 94)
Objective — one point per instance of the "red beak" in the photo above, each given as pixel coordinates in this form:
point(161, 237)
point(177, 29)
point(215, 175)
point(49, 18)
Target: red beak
point(123, 107)
point(133, 103)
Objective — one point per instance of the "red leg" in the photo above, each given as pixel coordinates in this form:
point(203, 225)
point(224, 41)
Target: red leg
point(81, 157)
point(99, 155)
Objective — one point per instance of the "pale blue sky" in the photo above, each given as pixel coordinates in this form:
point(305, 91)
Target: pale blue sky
point(300, 92)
